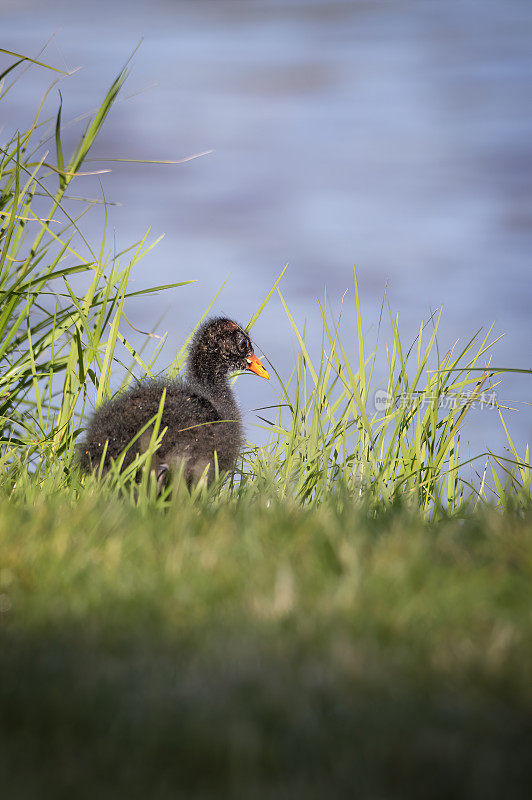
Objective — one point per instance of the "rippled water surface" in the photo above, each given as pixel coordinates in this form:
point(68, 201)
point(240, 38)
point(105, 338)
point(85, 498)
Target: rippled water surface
point(391, 135)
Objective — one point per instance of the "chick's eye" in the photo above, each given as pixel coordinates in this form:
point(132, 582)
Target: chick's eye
point(243, 344)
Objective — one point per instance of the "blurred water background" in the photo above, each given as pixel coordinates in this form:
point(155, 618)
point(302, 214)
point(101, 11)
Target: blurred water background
point(391, 135)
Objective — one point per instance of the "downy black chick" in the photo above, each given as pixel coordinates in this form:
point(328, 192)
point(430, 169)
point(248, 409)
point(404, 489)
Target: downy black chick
point(200, 412)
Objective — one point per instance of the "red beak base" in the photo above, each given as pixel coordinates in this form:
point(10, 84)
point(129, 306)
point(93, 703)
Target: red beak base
point(254, 365)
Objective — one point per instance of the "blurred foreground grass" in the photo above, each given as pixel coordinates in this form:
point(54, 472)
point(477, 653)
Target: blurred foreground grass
point(253, 651)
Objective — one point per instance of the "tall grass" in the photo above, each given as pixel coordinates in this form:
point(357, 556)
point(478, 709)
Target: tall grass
point(337, 428)
point(397, 439)
point(56, 345)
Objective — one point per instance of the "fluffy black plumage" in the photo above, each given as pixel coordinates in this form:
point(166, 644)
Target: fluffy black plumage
point(200, 413)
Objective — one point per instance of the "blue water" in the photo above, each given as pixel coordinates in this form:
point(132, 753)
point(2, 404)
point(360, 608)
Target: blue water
point(391, 135)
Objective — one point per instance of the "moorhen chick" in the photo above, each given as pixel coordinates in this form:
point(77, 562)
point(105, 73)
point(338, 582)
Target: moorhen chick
point(200, 412)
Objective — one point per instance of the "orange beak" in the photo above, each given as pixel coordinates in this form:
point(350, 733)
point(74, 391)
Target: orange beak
point(255, 366)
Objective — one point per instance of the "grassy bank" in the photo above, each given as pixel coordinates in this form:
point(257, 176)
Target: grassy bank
point(262, 651)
